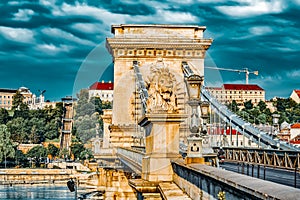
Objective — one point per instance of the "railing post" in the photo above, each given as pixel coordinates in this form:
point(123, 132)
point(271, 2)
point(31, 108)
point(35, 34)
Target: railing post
point(243, 168)
point(295, 178)
point(252, 170)
point(258, 167)
point(264, 172)
point(248, 169)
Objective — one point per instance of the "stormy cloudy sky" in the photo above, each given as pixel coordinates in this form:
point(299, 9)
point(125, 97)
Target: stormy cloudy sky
point(60, 45)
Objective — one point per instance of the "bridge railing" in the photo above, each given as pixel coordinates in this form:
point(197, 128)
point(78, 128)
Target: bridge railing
point(289, 160)
point(131, 157)
point(234, 186)
point(258, 136)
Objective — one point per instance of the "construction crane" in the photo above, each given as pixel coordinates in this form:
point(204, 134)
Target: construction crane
point(245, 70)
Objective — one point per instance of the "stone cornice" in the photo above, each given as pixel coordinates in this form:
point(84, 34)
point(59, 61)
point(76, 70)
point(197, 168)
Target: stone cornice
point(158, 43)
point(161, 117)
point(123, 127)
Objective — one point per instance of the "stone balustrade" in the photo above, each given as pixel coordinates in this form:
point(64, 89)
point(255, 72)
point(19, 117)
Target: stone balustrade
point(131, 157)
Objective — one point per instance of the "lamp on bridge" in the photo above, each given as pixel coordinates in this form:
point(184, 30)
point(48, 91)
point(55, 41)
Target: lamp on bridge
point(204, 115)
point(194, 84)
point(275, 123)
point(197, 137)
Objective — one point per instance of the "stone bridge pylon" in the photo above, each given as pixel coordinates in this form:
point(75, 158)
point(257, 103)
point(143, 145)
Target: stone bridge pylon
point(157, 51)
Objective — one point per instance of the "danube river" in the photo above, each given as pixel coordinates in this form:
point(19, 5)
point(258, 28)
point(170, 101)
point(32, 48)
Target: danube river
point(26, 192)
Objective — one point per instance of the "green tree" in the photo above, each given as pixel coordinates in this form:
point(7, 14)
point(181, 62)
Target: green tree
point(233, 106)
point(36, 130)
point(6, 144)
point(64, 153)
point(4, 116)
point(36, 154)
point(248, 105)
point(262, 106)
point(21, 159)
point(19, 107)
point(262, 118)
point(86, 127)
point(76, 149)
point(18, 99)
point(52, 130)
point(17, 129)
point(86, 154)
point(53, 150)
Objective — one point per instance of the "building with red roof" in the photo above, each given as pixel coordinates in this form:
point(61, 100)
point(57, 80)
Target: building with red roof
point(295, 131)
point(295, 96)
point(104, 90)
point(238, 92)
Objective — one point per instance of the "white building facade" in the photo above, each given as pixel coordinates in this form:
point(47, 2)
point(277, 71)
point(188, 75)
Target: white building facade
point(103, 90)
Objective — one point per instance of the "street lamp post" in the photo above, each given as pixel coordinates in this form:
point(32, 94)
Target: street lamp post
point(204, 115)
point(275, 123)
point(195, 138)
point(194, 84)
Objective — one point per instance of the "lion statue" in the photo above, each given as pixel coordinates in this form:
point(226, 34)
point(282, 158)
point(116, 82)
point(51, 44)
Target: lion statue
point(161, 90)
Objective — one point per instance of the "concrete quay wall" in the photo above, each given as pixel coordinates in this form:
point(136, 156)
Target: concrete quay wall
point(30, 176)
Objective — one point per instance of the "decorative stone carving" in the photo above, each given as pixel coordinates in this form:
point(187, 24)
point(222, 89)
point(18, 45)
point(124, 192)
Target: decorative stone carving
point(161, 89)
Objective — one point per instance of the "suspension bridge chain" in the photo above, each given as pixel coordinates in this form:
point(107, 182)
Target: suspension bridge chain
point(265, 140)
point(143, 92)
point(259, 137)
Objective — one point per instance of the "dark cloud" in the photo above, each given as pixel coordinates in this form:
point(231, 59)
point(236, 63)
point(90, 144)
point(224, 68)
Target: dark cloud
point(60, 44)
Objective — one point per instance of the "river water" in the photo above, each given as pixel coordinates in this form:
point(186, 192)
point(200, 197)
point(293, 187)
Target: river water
point(26, 192)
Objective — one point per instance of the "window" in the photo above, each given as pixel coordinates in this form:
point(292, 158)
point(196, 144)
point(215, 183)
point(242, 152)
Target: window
point(249, 142)
point(4, 97)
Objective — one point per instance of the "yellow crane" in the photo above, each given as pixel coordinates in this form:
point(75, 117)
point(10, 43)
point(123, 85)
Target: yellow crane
point(245, 70)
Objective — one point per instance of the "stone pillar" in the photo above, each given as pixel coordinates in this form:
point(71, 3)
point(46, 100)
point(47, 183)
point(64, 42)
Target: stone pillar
point(162, 145)
point(194, 151)
point(168, 45)
point(107, 116)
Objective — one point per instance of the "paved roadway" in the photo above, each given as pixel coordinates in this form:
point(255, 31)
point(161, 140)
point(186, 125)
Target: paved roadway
point(276, 175)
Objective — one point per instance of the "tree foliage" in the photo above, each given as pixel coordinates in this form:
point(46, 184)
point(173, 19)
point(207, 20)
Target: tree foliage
point(288, 109)
point(6, 144)
point(37, 154)
point(4, 116)
point(53, 150)
point(87, 116)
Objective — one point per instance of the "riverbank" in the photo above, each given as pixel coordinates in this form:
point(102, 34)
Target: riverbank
point(35, 176)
